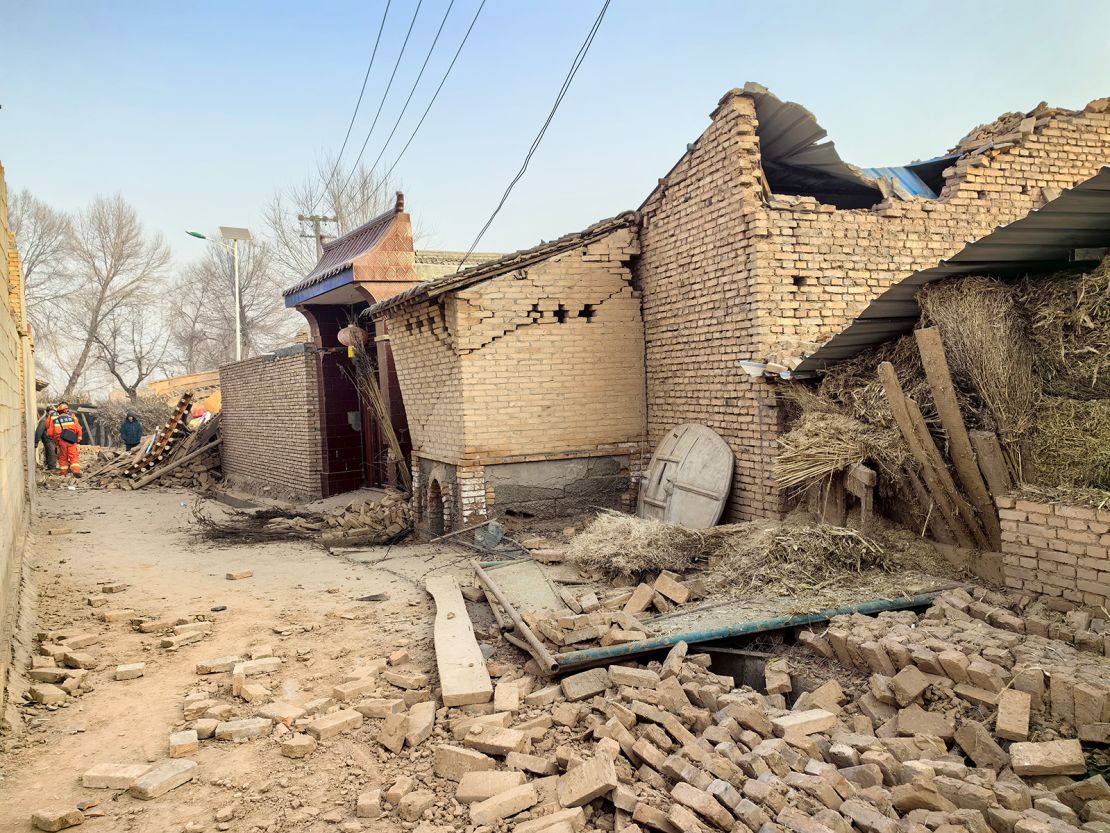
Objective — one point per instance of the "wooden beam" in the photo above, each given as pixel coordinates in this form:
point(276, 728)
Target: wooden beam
point(931, 348)
point(463, 677)
point(933, 520)
point(963, 508)
point(150, 478)
point(899, 406)
point(988, 452)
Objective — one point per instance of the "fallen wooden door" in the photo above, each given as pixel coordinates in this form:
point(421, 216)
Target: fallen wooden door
point(688, 478)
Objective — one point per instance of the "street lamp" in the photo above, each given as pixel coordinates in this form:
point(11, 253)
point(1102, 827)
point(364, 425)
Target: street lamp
point(234, 234)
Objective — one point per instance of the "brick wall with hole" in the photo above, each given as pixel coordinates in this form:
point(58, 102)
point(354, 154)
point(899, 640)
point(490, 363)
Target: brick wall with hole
point(270, 426)
point(1057, 549)
point(539, 364)
point(731, 273)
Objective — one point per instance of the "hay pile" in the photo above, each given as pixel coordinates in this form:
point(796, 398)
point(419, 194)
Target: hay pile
point(823, 442)
point(615, 544)
point(854, 384)
point(1069, 326)
point(1070, 442)
point(774, 558)
point(988, 352)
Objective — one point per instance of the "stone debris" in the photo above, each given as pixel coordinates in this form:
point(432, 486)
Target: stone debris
point(130, 671)
point(57, 818)
point(239, 574)
point(940, 723)
point(162, 778)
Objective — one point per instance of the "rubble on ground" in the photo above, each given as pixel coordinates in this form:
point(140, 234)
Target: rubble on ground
point(972, 721)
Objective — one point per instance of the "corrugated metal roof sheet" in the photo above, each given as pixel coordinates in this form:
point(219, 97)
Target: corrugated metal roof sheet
point(516, 260)
point(1041, 241)
point(339, 254)
point(790, 137)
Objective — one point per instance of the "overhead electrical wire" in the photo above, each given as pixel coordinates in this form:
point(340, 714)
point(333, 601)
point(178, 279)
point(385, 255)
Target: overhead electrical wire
point(385, 95)
point(574, 67)
point(385, 178)
point(415, 83)
point(361, 93)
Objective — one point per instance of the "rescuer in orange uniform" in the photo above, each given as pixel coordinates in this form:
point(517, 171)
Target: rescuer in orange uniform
point(66, 431)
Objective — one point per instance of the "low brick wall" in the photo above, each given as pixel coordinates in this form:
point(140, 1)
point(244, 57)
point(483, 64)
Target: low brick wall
point(270, 426)
point(1057, 550)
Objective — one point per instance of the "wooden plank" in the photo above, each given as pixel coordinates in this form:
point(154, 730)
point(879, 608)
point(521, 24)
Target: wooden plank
point(988, 452)
point(931, 349)
point(899, 406)
point(463, 677)
point(963, 508)
point(933, 519)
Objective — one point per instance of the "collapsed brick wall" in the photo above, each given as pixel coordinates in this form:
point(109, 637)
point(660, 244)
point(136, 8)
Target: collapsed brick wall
point(270, 425)
point(699, 283)
point(729, 276)
point(541, 363)
point(1056, 549)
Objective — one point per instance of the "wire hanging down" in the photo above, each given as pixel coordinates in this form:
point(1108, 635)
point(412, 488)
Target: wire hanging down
point(382, 182)
point(574, 67)
point(361, 93)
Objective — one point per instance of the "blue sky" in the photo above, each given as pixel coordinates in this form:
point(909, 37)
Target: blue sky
point(198, 112)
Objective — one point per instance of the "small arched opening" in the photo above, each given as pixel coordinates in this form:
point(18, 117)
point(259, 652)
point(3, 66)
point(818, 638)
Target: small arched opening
point(435, 509)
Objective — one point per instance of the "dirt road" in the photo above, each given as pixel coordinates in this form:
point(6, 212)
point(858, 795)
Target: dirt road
point(300, 603)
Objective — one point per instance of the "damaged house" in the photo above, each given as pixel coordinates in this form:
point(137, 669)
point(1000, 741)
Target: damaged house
point(757, 247)
point(523, 379)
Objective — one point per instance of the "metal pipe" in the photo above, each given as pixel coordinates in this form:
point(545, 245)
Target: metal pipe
point(502, 621)
point(573, 660)
point(542, 656)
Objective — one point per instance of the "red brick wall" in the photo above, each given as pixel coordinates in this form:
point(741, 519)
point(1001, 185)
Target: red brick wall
point(270, 426)
point(1056, 550)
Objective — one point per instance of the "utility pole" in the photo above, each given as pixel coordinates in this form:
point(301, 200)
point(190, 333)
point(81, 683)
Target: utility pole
point(316, 221)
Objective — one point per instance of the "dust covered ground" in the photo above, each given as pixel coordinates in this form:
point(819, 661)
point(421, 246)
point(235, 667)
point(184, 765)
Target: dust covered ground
point(300, 602)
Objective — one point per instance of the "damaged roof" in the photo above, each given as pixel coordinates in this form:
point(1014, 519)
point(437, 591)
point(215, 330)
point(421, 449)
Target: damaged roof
point(793, 154)
point(340, 254)
point(516, 260)
point(1044, 240)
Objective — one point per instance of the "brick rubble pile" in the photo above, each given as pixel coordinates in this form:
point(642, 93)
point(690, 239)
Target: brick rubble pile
point(968, 726)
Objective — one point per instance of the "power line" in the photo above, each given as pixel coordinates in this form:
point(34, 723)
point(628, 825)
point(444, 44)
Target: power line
point(358, 104)
point(435, 95)
point(415, 83)
point(385, 95)
point(574, 67)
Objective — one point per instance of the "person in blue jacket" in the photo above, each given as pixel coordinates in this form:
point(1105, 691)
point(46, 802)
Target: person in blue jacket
point(131, 431)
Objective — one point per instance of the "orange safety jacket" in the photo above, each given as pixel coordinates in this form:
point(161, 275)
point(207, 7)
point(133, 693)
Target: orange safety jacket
point(58, 423)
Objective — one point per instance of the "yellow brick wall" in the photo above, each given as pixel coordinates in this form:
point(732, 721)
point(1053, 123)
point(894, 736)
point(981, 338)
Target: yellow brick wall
point(540, 363)
point(727, 277)
point(17, 403)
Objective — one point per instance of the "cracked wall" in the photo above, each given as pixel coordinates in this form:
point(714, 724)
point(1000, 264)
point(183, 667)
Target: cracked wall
point(537, 364)
point(730, 273)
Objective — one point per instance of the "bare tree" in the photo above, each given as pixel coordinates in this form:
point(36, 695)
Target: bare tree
point(352, 197)
point(203, 329)
point(132, 345)
point(115, 263)
point(42, 234)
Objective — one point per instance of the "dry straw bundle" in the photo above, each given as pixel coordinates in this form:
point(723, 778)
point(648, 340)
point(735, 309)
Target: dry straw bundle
point(854, 384)
point(822, 443)
point(1070, 441)
point(984, 338)
point(1069, 325)
point(615, 544)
